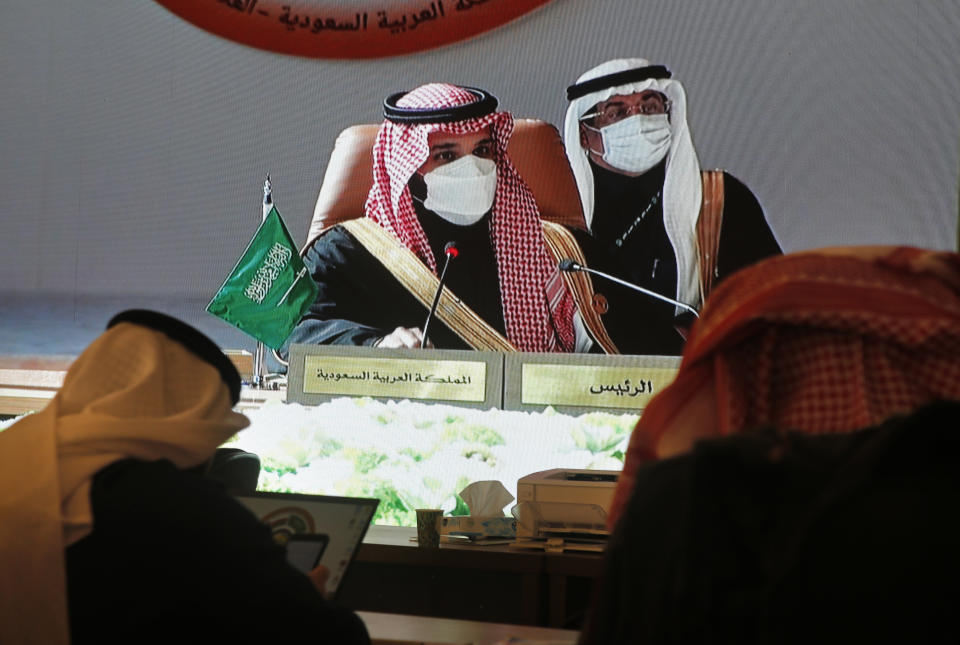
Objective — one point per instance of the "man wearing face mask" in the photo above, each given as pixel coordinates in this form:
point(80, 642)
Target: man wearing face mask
point(441, 174)
point(659, 221)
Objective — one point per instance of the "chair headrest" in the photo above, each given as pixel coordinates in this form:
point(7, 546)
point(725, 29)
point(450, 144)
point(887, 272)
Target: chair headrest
point(535, 148)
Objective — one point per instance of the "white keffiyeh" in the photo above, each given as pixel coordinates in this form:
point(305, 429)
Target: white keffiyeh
point(682, 188)
point(134, 392)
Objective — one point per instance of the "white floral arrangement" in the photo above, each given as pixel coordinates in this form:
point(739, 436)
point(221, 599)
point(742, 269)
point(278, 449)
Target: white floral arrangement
point(413, 455)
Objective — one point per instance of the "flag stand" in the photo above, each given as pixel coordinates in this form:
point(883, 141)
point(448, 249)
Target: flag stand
point(250, 297)
point(259, 356)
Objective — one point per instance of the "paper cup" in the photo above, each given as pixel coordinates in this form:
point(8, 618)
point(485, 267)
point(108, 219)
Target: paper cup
point(428, 527)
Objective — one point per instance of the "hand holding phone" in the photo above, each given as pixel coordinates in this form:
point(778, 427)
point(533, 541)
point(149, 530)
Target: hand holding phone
point(319, 576)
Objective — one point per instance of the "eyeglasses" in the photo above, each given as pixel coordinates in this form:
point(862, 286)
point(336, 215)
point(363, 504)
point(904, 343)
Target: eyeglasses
point(652, 104)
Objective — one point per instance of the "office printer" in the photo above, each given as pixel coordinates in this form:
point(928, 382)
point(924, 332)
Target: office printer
point(564, 509)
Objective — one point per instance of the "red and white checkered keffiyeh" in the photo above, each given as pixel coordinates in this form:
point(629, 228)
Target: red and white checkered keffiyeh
point(537, 308)
point(827, 341)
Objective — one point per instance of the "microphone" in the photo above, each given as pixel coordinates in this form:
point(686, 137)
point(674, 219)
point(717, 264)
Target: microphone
point(451, 251)
point(569, 265)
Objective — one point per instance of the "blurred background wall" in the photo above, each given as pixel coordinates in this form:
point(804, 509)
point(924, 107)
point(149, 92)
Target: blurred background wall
point(135, 144)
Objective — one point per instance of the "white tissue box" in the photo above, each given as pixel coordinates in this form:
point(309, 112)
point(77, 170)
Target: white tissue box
point(477, 528)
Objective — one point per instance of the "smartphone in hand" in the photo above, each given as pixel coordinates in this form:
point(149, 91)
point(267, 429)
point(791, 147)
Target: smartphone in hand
point(304, 550)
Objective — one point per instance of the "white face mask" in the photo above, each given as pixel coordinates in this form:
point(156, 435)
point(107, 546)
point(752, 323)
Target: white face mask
point(636, 144)
point(462, 191)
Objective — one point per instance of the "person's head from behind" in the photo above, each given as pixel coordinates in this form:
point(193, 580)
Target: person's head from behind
point(149, 388)
point(166, 373)
point(148, 364)
point(828, 341)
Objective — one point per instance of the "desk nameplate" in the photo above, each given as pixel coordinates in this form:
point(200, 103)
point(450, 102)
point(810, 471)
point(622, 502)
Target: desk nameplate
point(580, 383)
point(461, 377)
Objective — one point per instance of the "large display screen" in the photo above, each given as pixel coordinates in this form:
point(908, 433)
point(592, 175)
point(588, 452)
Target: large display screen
point(137, 145)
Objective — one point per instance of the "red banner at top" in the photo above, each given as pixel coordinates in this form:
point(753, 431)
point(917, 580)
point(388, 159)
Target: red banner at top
point(358, 29)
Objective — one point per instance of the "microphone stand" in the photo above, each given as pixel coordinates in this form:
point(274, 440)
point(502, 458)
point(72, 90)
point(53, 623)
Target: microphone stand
point(450, 250)
point(259, 356)
point(570, 265)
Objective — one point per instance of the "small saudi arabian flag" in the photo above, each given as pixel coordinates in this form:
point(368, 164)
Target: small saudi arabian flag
point(269, 289)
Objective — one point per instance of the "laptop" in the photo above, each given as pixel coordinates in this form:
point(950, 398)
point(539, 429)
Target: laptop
point(343, 520)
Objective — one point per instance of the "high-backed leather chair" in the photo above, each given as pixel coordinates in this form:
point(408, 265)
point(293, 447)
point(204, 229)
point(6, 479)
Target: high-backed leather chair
point(535, 148)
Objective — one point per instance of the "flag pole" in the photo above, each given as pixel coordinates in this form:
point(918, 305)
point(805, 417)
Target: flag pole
point(259, 357)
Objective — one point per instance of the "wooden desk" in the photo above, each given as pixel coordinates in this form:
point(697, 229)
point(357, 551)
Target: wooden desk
point(393, 629)
point(27, 383)
point(496, 583)
point(569, 581)
point(392, 574)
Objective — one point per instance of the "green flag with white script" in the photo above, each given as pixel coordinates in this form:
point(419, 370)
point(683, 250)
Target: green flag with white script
point(269, 289)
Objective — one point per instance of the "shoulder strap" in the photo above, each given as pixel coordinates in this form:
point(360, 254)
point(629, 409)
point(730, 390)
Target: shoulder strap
point(420, 281)
point(708, 229)
point(562, 245)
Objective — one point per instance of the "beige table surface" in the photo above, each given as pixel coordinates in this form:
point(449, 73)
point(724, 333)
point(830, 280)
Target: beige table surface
point(397, 629)
point(27, 383)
